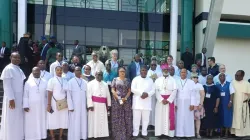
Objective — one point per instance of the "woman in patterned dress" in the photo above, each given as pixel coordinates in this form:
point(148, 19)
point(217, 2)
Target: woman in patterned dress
point(121, 112)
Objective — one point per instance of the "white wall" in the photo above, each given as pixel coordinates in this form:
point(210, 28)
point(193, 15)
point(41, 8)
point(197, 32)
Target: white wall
point(234, 53)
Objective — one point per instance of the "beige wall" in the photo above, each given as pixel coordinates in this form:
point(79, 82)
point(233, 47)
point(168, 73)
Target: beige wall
point(234, 53)
point(232, 7)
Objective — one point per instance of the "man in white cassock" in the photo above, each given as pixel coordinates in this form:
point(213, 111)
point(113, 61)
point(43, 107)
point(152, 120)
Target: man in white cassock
point(98, 102)
point(185, 102)
point(34, 104)
point(166, 89)
point(77, 89)
point(58, 62)
point(43, 74)
point(143, 89)
point(153, 73)
point(57, 90)
point(12, 111)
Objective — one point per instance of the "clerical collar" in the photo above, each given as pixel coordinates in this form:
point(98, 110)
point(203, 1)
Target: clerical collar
point(77, 78)
point(86, 75)
point(58, 76)
point(36, 78)
point(143, 77)
point(183, 79)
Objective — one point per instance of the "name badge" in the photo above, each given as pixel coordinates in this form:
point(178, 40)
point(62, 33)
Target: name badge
point(108, 82)
point(208, 95)
point(222, 94)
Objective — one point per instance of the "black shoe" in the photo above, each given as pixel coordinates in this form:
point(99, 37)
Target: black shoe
point(145, 137)
point(135, 137)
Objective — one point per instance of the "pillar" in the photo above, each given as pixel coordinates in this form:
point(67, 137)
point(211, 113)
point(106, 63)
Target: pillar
point(6, 22)
point(173, 29)
point(22, 18)
point(187, 25)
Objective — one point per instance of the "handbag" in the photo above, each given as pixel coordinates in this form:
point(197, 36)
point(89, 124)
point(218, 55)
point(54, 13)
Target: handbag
point(61, 104)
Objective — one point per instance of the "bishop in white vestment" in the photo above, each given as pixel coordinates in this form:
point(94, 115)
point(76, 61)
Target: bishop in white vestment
point(166, 89)
point(185, 102)
point(143, 89)
point(153, 73)
point(55, 64)
point(98, 101)
point(12, 111)
point(57, 90)
point(77, 90)
point(34, 104)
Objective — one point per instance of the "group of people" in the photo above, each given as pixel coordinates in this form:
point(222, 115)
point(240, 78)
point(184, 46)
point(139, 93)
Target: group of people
point(175, 100)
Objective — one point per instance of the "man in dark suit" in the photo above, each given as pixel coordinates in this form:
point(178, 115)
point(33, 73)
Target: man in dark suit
point(202, 57)
point(25, 49)
point(187, 58)
point(133, 69)
point(4, 56)
point(79, 51)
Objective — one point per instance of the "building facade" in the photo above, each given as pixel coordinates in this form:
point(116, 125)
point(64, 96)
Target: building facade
point(132, 26)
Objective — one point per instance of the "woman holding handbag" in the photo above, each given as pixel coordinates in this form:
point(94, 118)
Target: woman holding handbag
point(57, 104)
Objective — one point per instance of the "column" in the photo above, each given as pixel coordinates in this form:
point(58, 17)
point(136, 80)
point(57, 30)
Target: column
point(22, 18)
point(173, 29)
point(6, 22)
point(187, 25)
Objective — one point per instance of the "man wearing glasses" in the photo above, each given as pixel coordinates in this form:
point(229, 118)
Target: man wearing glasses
point(153, 73)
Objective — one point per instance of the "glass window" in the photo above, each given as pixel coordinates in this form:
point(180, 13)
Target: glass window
point(127, 38)
point(94, 4)
point(163, 6)
point(146, 39)
point(127, 55)
point(54, 2)
point(93, 36)
point(58, 31)
point(111, 4)
point(110, 37)
point(69, 50)
point(146, 6)
point(74, 33)
point(161, 44)
point(36, 30)
point(75, 3)
point(35, 1)
point(128, 5)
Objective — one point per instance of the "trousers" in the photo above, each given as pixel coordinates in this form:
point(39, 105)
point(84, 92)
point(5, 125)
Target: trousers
point(138, 117)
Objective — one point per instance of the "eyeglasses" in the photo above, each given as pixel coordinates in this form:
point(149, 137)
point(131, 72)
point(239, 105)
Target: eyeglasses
point(195, 77)
point(153, 64)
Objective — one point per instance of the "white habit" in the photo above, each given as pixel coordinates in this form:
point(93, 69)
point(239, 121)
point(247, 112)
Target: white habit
point(98, 119)
point(96, 66)
point(12, 119)
point(184, 117)
point(44, 75)
point(164, 86)
point(58, 119)
point(151, 73)
point(141, 107)
point(52, 68)
point(67, 76)
point(76, 97)
point(35, 125)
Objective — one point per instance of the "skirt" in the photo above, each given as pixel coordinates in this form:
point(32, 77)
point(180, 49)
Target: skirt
point(199, 113)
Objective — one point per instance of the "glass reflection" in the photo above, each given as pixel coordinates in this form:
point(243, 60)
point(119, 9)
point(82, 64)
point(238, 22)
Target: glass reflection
point(75, 3)
point(94, 4)
point(35, 1)
point(146, 6)
point(111, 5)
point(128, 5)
